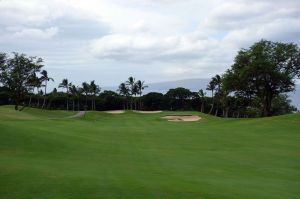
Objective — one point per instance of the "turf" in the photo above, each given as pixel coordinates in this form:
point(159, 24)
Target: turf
point(43, 154)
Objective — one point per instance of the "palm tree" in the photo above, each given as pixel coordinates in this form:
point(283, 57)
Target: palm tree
point(124, 91)
point(134, 92)
point(79, 94)
point(211, 87)
point(40, 93)
point(52, 96)
point(131, 83)
point(65, 84)
point(201, 95)
point(45, 78)
point(74, 93)
point(38, 84)
point(141, 86)
point(33, 80)
point(94, 89)
point(225, 101)
point(31, 84)
point(218, 82)
point(86, 90)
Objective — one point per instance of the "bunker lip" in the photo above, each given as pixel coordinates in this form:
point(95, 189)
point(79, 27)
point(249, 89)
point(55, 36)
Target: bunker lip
point(147, 112)
point(78, 115)
point(182, 118)
point(115, 111)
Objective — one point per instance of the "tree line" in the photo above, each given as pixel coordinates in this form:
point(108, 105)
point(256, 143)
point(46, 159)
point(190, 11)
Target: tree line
point(255, 85)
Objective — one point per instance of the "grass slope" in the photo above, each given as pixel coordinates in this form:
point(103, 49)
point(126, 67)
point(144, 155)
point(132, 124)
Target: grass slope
point(136, 155)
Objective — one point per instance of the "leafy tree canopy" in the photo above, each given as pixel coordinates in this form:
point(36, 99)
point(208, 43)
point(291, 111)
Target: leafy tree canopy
point(265, 70)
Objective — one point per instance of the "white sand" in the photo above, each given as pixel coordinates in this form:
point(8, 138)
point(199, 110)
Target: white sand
point(184, 118)
point(115, 111)
point(147, 112)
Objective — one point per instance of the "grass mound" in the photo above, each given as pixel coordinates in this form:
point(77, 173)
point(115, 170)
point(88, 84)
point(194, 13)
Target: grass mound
point(135, 155)
point(9, 113)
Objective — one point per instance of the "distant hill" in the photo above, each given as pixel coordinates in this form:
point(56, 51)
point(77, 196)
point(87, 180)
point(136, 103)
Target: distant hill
point(196, 85)
point(163, 87)
point(192, 84)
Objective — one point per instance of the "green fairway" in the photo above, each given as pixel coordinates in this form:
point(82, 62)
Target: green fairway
point(45, 154)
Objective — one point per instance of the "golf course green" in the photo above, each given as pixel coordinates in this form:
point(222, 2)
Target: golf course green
point(49, 154)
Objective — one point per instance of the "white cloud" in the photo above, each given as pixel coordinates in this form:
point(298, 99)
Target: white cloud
point(176, 39)
point(33, 33)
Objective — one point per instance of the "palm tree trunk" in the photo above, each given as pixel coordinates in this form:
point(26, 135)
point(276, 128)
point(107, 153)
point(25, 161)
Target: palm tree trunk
point(217, 110)
point(94, 102)
point(38, 104)
point(135, 102)
point(78, 104)
point(226, 112)
point(211, 109)
point(45, 94)
point(202, 107)
point(85, 108)
point(30, 99)
point(140, 102)
point(49, 104)
point(29, 103)
point(213, 101)
point(44, 102)
point(67, 98)
point(73, 104)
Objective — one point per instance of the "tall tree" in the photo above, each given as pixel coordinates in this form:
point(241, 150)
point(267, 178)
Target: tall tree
point(74, 93)
point(132, 87)
point(266, 70)
point(16, 72)
point(52, 96)
point(38, 85)
point(178, 97)
point(201, 95)
point(134, 92)
point(39, 93)
point(45, 78)
point(65, 84)
point(31, 84)
point(211, 87)
point(86, 90)
point(218, 83)
point(140, 87)
point(124, 91)
point(224, 101)
point(95, 90)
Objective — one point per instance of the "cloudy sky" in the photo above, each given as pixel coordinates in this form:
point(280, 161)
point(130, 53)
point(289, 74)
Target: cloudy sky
point(153, 40)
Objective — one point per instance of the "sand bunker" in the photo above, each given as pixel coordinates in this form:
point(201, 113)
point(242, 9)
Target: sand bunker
point(147, 112)
point(182, 118)
point(115, 111)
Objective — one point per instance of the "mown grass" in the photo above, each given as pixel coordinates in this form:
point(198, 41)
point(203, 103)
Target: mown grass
point(43, 154)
